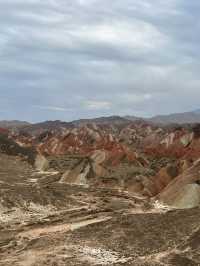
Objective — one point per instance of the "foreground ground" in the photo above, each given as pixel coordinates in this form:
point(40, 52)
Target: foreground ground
point(45, 222)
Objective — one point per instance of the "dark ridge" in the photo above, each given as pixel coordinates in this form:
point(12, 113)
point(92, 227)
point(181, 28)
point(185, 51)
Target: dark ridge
point(9, 147)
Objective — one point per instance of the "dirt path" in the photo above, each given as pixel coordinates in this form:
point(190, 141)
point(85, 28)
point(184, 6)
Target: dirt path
point(37, 232)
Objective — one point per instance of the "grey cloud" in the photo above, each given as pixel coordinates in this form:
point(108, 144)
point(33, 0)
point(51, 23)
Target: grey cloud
point(112, 57)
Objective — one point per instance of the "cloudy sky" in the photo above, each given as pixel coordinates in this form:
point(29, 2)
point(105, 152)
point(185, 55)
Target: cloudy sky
point(69, 59)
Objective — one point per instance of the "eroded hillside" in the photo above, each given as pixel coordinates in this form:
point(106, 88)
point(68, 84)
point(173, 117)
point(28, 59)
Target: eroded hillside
point(96, 194)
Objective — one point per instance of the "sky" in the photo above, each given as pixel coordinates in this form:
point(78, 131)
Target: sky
point(71, 59)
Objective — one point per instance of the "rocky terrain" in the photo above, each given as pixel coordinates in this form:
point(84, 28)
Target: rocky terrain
point(114, 192)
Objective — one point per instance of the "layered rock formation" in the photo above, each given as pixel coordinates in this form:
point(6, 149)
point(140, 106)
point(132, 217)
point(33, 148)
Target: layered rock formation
point(133, 156)
point(100, 194)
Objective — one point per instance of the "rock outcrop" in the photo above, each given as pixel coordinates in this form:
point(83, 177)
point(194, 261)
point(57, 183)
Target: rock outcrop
point(41, 163)
point(184, 190)
point(100, 195)
point(133, 156)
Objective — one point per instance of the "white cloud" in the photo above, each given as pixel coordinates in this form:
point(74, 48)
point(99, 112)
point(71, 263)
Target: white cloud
point(97, 105)
point(135, 34)
point(135, 98)
point(52, 108)
point(86, 2)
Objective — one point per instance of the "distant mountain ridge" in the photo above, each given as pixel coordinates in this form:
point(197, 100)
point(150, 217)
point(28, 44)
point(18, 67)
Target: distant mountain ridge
point(197, 111)
point(175, 118)
point(46, 126)
point(102, 120)
point(13, 124)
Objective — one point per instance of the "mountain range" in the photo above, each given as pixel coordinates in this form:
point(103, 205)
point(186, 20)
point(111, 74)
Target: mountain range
point(175, 118)
point(105, 191)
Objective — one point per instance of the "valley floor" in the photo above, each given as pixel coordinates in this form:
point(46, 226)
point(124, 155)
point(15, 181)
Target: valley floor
point(45, 222)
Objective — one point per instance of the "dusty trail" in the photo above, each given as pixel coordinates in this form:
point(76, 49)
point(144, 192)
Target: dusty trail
point(48, 223)
point(61, 228)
